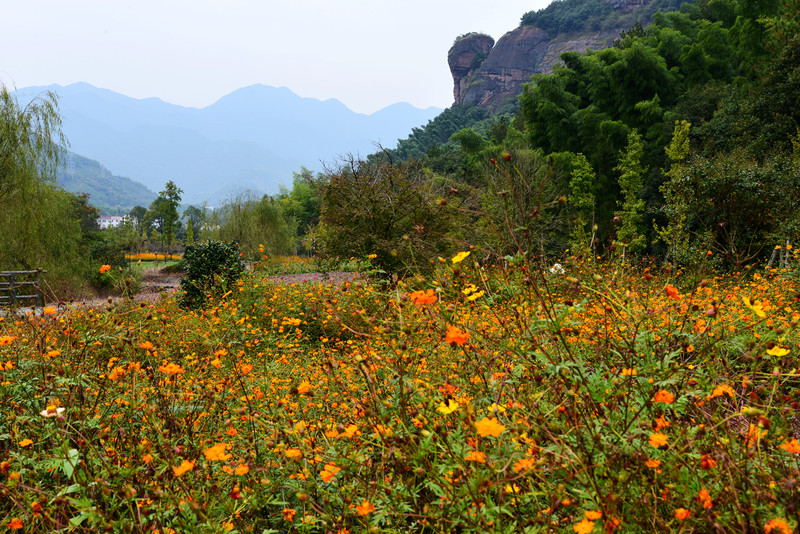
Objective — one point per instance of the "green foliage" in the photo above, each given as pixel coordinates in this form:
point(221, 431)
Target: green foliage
point(210, 269)
point(392, 211)
point(258, 225)
point(568, 16)
point(582, 186)
point(438, 131)
point(39, 222)
point(630, 232)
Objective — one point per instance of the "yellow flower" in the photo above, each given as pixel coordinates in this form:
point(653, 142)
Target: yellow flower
point(778, 351)
point(629, 371)
point(217, 452)
point(461, 256)
point(758, 309)
point(489, 427)
point(448, 407)
point(293, 453)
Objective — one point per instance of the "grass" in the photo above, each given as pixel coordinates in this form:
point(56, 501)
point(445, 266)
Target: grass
point(605, 399)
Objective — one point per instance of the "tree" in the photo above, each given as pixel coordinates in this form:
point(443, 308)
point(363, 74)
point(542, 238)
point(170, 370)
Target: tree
point(39, 224)
point(163, 213)
point(137, 216)
point(632, 206)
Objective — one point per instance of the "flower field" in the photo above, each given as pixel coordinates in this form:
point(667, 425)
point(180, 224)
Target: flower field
point(603, 399)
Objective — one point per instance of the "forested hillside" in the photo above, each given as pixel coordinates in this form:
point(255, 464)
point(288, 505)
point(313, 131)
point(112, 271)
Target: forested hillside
point(680, 139)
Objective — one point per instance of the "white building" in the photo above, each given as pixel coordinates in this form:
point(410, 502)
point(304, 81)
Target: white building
point(109, 221)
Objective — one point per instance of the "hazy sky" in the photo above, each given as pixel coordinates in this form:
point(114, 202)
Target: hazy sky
point(366, 53)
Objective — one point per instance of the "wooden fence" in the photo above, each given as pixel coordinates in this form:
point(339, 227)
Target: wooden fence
point(21, 288)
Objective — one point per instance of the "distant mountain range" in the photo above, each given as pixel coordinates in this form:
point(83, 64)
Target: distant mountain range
point(253, 138)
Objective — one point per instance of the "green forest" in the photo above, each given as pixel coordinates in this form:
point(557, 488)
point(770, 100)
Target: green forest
point(679, 144)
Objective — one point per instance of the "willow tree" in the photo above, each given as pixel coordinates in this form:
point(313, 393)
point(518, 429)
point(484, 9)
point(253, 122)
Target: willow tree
point(38, 226)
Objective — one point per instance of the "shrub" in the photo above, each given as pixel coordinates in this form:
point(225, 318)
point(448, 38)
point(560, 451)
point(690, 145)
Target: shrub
point(209, 268)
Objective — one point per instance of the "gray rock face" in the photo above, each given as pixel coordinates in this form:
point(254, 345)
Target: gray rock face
point(490, 75)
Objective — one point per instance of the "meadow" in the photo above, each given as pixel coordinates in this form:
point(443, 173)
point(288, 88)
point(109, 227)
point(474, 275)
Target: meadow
point(605, 398)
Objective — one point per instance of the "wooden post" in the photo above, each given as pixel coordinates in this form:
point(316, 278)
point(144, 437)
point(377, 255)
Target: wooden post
point(12, 291)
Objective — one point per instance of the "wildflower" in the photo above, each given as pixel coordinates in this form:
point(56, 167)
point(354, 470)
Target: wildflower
point(217, 452)
point(461, 256)
point(448, 407)
point(53, 353)
point(593, 515)
point(456, 335)
point(7, 340)
point(146, 345)
point(489, 427)
point(185, 466)
point(288, 514)
point(657, 439)
point(682, 514)
point(476, 456)
point(15, 524)
point(104, 268)
point(421, 298)
point(365, 508)
point(722, 389)
point(245, 368)
point(705, 498)
point(304, 387)
point(372, 256)
point(171, 369)
point(147, 458)
point(25, 442)
point(778, 351)
point(661, 422)
point(293, 453)
point(664, 396)
point(754, 434)
point(49, 310)
point(758, 309)
point(652, 464)
point(329, 472)
point(241, 469)
point(584, 527)
point(777, 526)
point(672, 292)
point(524, 464)
point(707, 462)
point(51, 411)
point(792, 446)
point(629, 371)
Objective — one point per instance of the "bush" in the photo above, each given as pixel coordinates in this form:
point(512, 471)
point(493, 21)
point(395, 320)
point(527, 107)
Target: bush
point(210, 268)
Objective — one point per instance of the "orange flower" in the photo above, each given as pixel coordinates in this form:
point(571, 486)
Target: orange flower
point(365, 507)
point(49, 310)
point(777, 526)
point(652, 464)
point(293, 453)
point(722, 389)
point(217, 452)
point(707, 462)
point(593, 515)
point(7, 340)
point(241, 469)
point(25, 442)
point(629, 371)
point(657, 439)
point(754, 434)
point(705, 498)
point(792, 446)
point(304, 387)
point(524, 464)
point(15, 524)
point(146, 345)
point(329, 472)
point(421, 298)
point(489, 427)
point(171, 369)
point(104, 268)
point(584, 527)
point(456, 335)
point(672, 292)
point(682, 513)
point(288, 514)
point(664, 396)
point(476, 456)
point(183, 468)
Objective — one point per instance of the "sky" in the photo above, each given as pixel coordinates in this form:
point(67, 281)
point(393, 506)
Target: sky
point(366, 53)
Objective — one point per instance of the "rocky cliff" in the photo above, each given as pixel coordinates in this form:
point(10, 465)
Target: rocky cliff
point(490, 74)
